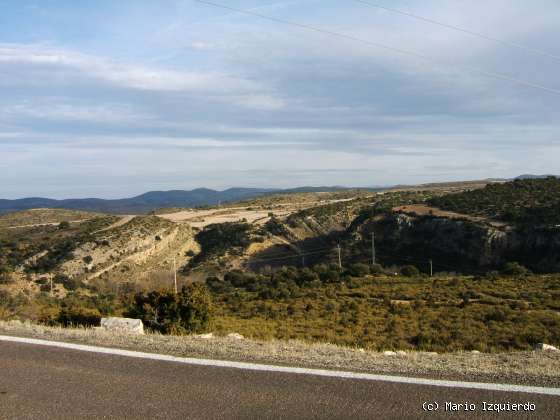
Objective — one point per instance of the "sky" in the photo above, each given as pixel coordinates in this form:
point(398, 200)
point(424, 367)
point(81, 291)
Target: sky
point(114, 98)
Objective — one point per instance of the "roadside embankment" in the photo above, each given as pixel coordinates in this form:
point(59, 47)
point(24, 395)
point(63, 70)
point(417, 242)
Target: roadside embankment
point(537, 368)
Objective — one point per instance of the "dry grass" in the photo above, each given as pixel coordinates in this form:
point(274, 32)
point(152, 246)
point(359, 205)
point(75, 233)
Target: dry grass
point(532, 368)
point(43, 217)
point(425, 210)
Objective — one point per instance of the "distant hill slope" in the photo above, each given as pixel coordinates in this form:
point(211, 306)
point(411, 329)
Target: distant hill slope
point(530, 201)
point(43, 217)
point(531, 176)
point(151, 200)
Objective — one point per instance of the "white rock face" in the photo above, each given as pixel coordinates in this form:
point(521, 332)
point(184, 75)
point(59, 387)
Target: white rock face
point(401, 353)
point(235, 336)
point(389, 353)
point(545, 347)
point(123, 325)
point(205, 336)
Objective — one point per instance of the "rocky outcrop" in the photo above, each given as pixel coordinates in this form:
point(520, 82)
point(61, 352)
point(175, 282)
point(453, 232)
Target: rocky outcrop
point(545, 347)
point(461, 244)
point(123, 325)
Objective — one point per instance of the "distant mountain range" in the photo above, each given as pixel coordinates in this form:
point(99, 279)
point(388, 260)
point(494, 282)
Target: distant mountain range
point(152, 200)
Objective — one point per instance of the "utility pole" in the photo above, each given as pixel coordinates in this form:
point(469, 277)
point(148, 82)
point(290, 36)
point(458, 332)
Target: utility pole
point(302, 260)
point(50, 279)
point(431, 268)
point(372, 248)
point(175, 274)
point(339, 256)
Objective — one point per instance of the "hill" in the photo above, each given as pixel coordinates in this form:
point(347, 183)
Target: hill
point(531, 176)
point(300, 266)
point(152, 200)
point(523, 202)
point(42, 216)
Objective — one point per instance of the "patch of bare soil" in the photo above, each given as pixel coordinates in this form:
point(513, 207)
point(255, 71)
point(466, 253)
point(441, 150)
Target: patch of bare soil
point(256, 215)
point(425, 210)
point(43, 217)
point(121, 222)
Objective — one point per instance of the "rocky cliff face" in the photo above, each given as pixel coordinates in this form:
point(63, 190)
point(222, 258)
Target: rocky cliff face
point(460, 244)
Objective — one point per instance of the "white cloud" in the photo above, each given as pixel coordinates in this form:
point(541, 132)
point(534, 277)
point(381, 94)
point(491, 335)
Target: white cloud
point(120, 73)
point(236, 100)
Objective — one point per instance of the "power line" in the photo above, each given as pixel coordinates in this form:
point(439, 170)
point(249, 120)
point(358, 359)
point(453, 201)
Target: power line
point(299, 253)
point(463, 30)
point(252, 260)
point(494, 75)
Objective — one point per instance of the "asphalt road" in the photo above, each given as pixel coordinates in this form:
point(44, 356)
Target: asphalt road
point(38, 382)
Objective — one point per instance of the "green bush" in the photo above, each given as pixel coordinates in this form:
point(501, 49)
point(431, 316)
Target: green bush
point(376, 269)
point(63, 225)
point(169, 313)
point(358, 270)
point(410, 271)
point(514, 269)
point(217, 239)
point(87, 317)
point(68, 282)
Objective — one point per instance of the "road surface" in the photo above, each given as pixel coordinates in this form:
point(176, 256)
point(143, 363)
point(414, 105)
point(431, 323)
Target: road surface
point(38, 382)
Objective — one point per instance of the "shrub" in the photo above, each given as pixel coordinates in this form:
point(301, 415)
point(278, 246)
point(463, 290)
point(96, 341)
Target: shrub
point(217, 239)
point(6, 278)
point(275, 226)
point(236, 278)
point(87, 317)
point(358, 270)
point(376, 269)
point(216, 285)
point(68, 282)
point(514, 269)
point(64, 225)
point(410, 271)
point(170, 313)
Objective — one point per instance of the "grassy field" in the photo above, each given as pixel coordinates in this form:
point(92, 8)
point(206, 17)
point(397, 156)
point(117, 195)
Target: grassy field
point(375, 312)
point(440, 314)
point(29, 218)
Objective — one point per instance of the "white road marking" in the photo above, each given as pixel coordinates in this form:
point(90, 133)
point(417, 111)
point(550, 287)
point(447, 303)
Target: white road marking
point(286, 369)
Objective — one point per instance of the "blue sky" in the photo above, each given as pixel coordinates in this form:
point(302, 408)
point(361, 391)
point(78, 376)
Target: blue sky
point(114, 98)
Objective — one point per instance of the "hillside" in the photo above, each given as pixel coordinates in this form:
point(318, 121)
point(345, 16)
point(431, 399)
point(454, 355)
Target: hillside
point(153, 200)
point(408, 231)
point(97, 253)
point(43, 216)
point(523, 202)
point(272, 268)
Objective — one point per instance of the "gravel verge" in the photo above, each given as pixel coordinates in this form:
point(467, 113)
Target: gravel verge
point(536, 368)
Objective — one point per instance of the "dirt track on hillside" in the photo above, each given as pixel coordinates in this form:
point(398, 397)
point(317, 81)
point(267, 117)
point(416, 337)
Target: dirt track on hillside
point(202, 218)
point(425, 210)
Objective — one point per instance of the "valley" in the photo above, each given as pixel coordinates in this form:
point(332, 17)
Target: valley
point(299, 266)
